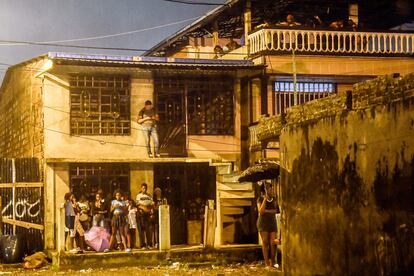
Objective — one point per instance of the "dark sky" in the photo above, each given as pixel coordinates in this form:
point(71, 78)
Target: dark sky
point(51, 20)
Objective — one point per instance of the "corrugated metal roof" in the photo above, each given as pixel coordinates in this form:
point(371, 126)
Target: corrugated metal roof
point(149, 61)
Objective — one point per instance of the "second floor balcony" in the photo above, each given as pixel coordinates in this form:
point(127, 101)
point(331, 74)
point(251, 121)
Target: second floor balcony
point(331, 42)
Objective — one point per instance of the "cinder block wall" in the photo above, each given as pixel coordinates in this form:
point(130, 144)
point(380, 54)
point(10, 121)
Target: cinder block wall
point(348, 181)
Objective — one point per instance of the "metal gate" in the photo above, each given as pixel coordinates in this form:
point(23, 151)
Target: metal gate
point(21, 204)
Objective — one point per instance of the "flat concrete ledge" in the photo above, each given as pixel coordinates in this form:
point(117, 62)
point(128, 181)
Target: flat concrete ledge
point(139, 257)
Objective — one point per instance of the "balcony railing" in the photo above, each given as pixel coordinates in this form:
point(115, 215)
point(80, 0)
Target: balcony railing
point(336, 42)
point(254, 143)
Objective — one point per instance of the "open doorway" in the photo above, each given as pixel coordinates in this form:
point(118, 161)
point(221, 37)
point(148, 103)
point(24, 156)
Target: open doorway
point(187, 187)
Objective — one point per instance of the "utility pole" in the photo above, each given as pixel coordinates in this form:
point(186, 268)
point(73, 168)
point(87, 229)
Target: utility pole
point(295, 94)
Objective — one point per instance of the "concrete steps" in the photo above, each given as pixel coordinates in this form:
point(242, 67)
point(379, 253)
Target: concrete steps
point(233, 201)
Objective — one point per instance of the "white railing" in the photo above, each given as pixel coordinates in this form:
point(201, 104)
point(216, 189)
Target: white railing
point(321, 41)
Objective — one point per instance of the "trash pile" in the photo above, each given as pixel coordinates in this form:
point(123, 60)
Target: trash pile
point(13, 250)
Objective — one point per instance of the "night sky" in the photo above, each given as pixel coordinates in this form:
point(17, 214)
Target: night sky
point(51, 20)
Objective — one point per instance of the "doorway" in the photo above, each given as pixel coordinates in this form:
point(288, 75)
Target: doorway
point(170, 103)
point(187, 187)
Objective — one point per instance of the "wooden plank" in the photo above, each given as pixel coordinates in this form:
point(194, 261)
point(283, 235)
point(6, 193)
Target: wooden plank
point(245, 186)
point(24, 224)
point(22, 185)
point(228, 219)
point(233, 211)
point(232, 177)
point(228, 202)
point(211, 220)
point(235, 194)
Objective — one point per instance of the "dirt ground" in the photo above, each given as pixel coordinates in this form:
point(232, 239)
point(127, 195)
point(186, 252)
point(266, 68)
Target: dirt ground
point(172, 270)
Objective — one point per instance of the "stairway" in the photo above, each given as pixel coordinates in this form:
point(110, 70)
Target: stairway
point(232, 198)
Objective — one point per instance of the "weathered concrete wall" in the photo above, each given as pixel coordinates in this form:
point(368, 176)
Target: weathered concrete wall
point(348, 182)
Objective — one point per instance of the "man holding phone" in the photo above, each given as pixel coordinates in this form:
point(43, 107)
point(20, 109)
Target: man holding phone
point(148, 118)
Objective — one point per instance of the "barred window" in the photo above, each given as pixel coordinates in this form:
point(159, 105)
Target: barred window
point(211, 107)
point(305, 92)
point(88, 179)
point(100, 105)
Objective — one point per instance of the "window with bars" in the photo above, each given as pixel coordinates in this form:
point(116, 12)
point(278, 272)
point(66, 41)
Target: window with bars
point(305, 92)
point(87, 179)
point(211, 107)
point(100, 105)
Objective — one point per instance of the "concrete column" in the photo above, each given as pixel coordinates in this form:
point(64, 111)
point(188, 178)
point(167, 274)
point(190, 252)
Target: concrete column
point(56, 185)
point(263, 94)
point(141, 173)
point(164, 230)
point(256, 99)
point(247, 23)
point(215, 34)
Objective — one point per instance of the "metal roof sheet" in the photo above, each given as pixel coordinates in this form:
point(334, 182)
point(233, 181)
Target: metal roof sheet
point(150, 61)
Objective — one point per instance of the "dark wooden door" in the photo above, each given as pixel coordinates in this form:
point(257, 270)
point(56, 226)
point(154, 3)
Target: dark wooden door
point(170, 103)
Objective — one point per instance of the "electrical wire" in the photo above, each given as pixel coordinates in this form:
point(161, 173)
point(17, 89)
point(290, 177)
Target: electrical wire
point(105, 36)
point(139, 129)
point(21, 42)
point(194, 3)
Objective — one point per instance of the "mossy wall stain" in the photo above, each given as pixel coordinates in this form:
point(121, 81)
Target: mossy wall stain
point(339, 227)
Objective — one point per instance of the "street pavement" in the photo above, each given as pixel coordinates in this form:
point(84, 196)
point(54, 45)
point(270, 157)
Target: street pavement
point(171, 270)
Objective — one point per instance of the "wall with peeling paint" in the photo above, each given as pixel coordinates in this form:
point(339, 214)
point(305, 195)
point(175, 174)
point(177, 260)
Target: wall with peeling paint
point(348, 182)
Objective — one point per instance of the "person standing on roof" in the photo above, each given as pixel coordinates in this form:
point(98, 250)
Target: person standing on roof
point(148, 118)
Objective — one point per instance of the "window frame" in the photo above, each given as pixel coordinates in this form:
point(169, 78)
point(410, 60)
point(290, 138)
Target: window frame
point(89, 95)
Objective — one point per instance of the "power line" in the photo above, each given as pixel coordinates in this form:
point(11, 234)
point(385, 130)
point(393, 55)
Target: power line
point(193, 3)
point(139, 129)
point(72, 46)
point(22, 42)
point(107, 36)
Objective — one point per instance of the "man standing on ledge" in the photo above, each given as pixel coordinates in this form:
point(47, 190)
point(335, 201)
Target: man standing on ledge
point(148, 118)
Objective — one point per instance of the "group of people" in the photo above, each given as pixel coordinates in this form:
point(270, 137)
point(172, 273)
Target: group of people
point(313, 22)
point(266, 224)
point(121, 216)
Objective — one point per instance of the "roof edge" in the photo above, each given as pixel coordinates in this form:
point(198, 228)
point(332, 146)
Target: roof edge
point(204, 18)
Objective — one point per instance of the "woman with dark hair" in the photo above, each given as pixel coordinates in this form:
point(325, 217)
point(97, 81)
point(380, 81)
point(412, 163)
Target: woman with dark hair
point(99, 211)
point(266, 222)
point(118, 221)
point(84, 212)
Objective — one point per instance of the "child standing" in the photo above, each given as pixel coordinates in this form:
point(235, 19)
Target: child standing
point(69, 222)
point(132, 221)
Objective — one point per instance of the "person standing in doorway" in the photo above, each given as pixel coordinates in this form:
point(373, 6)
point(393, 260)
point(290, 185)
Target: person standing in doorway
point(148, 118)
point(266, 223)
point(145, 205)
